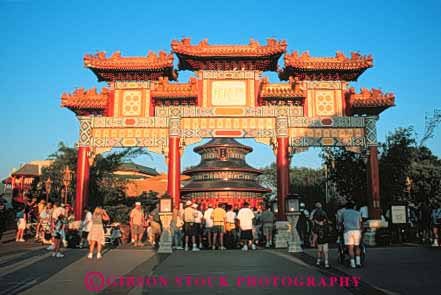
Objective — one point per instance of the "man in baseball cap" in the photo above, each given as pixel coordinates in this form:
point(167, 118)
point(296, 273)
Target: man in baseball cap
point(189, 218)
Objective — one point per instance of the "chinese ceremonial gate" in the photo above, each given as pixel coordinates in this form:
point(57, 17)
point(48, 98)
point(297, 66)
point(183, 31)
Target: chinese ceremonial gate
point(228, 97)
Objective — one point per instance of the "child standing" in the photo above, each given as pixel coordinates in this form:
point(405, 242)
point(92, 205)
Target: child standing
point(21, 225)
point(322, 232)
point(58, 235)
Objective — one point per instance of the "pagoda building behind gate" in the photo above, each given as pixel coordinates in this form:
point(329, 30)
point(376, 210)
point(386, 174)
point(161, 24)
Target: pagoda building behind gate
point(223, 176)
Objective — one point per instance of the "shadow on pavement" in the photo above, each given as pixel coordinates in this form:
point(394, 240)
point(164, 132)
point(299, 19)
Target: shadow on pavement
point(35, 273)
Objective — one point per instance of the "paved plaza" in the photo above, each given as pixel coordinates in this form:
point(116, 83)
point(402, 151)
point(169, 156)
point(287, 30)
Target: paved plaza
point(28, 268)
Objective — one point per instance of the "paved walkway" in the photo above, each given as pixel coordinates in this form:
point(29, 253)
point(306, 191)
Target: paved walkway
point(27, 268)
point(397, 270)
point(242, 273)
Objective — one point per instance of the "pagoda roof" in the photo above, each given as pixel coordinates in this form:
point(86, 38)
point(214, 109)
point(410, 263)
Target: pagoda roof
point(369, 102)
point(224, 185)
point(86, 101)
point(340, 67)
point(220, 165)
point(204, 56)
point(32, 170)
point(164, 89)
point(281, 90)
point(222, 142)
point(117, 67)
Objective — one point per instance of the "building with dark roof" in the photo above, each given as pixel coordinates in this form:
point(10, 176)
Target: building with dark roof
point(22, 178)
point(223, 175)
point(130, 170)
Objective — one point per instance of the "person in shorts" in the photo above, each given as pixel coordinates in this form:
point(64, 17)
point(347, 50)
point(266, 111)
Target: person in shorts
point(219, 215)
point(188, 216)
point(318, 210)
point(137, 222)
point(245, 218)
point(351, 220)
point(322, 231)
point(59, 228)
point(208, 224)
point(197, 226)
point(21, 224)
point(267, 218)
point(230, 239)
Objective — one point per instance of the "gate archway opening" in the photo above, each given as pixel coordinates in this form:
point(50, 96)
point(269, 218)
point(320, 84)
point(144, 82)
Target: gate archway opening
point(313, 105)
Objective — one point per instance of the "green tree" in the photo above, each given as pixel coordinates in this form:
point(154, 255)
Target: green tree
point(425, 175)
point(397, 154)
point(268, 178)
point(64, 156)
point(105, 188)
point(347, 170)
point(308, 182)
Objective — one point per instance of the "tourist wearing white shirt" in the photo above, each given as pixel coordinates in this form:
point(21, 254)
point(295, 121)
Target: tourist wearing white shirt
point(245, 217)
point(197, 227)
point(230, 227)
point(86, 227)
point(208, 224)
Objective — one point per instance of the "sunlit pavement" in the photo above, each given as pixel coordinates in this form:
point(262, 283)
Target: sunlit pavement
point(28, 268)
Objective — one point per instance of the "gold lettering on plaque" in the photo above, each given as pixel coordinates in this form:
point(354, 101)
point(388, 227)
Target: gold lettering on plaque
point(228, 93)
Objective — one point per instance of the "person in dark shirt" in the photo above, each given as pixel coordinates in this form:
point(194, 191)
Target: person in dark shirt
point(321, 229)
point(317, 213)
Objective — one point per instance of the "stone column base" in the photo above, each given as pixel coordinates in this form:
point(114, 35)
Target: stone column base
point(165, 242)
point(282, 234)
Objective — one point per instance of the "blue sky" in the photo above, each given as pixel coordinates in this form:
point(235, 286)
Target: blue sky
point(43, 43)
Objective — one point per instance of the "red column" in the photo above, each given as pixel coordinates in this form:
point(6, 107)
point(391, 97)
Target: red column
point(82, 189)
point(373, 180)
point(174, 170)
point(282, 175)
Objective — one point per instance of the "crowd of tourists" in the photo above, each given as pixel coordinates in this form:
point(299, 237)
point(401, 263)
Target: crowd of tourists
point(221, 227)
point(215, 228)
point(43, 221)
point(315, 228)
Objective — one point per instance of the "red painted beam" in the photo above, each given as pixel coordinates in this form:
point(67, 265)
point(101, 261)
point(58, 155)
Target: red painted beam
point(82, 189)
point(174, 170)
point(373, 180)
point(282, 176)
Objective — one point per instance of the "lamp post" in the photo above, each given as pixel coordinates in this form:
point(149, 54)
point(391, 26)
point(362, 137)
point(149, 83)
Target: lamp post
point(293, 213)
point(47, 187)
point(67, 178)
point(166, 214)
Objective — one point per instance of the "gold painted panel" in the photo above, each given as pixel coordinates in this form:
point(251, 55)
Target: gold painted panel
point(228, 93)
